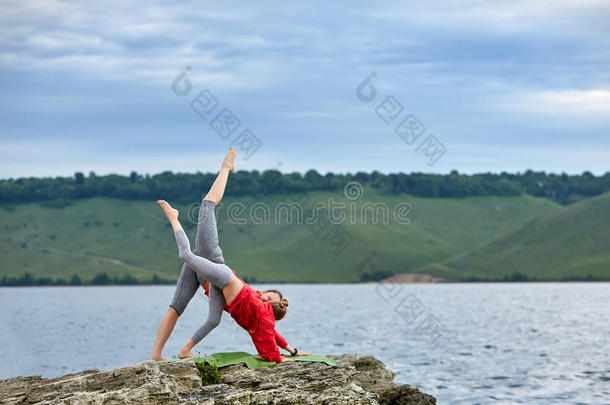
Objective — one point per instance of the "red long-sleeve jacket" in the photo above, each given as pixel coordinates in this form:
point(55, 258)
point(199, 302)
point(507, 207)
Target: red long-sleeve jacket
point(256, 316)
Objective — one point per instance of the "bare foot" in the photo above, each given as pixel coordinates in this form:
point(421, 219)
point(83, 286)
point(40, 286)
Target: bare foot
point(157, 358)
point(229, 161)
point(170, 213)
point(185, 354)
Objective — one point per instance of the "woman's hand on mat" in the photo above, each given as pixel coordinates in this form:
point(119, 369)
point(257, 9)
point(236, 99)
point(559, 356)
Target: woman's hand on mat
point(303, 354)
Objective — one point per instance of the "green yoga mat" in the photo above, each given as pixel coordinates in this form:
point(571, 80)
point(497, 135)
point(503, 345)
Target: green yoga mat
point(251, 361)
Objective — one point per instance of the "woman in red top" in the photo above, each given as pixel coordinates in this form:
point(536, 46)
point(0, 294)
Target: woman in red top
point(255, 311)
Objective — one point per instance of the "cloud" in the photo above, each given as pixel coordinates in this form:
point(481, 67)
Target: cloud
point(111, 41)
point(565, 102)
point(63, 41)
point(500, 16)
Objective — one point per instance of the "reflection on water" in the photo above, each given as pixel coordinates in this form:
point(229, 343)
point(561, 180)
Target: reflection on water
point(542, 343)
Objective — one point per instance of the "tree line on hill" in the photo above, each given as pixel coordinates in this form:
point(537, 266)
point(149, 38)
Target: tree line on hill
point(27, 279)
point(185, 187)
point(100, 279)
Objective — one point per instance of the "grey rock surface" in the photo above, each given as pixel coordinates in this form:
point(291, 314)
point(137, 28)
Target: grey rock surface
point(356, 379)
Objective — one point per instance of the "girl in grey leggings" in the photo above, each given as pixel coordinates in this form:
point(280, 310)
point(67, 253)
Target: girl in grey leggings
point(206, 246)
point(209, 262)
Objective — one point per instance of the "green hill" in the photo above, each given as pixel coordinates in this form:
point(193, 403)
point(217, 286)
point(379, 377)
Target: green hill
point(565, 243)
point(129, 237)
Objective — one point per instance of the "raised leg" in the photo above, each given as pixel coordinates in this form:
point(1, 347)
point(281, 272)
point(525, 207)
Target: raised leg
point(218, 187)
point(218, 274)
point(206, 243)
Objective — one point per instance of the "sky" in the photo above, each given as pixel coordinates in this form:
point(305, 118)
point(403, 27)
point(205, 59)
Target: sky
point(492, 86)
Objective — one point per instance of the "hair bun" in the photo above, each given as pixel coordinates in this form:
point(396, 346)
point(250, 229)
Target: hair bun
point(284, 303)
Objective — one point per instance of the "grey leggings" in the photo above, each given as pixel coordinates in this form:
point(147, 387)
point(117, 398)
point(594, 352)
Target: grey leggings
point(191, 278)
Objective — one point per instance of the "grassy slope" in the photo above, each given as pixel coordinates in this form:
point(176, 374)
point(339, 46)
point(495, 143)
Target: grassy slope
point(132, 237)
point(571, 241)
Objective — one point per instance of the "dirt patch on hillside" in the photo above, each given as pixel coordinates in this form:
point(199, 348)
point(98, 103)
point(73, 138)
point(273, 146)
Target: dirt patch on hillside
point(405, 278)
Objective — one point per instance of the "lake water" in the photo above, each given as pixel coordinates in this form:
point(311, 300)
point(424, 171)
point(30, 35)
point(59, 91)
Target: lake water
point(532, 343)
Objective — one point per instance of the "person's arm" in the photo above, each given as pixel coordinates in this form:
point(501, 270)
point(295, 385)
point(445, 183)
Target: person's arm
point(264, 341)
point(295, 352)
point(290, 349)
point(281, 342)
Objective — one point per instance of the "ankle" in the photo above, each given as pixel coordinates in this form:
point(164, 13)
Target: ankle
point(176, 225)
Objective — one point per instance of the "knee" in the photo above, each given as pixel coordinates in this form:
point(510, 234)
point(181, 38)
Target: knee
point(213, 322)
point(216, 255)
point(228, 275)
point(175, 309)
point(184, 254)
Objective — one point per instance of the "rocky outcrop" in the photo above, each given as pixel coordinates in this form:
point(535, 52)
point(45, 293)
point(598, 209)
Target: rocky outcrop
point(356, 379)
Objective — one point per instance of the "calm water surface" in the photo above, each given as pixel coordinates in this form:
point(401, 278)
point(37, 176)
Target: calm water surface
point(534, 343)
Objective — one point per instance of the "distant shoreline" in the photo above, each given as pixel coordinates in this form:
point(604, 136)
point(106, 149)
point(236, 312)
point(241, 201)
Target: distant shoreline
point(389, 280)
